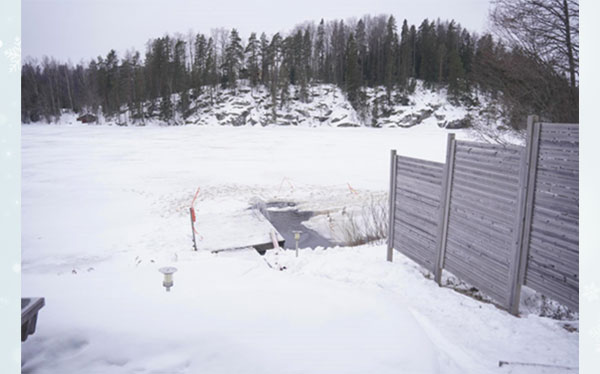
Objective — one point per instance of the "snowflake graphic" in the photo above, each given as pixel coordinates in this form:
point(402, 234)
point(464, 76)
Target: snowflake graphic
point(590, 292)
point(13, 54)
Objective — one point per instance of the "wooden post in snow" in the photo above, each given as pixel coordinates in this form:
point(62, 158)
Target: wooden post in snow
point(525, 212)
point(192, 219)
point(444, 212)
point(392, 207)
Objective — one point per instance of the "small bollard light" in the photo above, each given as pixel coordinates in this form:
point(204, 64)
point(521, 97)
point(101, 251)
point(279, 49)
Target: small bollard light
point(168, 272)
point(297, 237)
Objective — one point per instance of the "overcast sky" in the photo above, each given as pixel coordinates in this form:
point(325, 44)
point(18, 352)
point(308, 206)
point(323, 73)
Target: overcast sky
point(78, 30)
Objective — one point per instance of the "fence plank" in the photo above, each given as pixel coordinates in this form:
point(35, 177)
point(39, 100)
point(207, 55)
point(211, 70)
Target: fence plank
point(473, 220)
point(415, 209)
point(465, 202)
point(508, 148)
point(555, 224)
point(461, 225)
point(488, 171)
point(553, 261)
point(419, 162)
point(525, 212)
point(444, 211)
point(496, 187)
point(492, 250)
point(427, 191)
point(485, 197)
point(552, 242)
point(391, 210)
point(482, 234)
point(412, 249)
point(482, 265)
point(423, 174)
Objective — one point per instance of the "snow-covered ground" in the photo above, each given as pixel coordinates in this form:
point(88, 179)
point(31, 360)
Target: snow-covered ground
point(104, 207)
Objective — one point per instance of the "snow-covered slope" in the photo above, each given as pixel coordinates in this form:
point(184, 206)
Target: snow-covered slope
point(328, 106)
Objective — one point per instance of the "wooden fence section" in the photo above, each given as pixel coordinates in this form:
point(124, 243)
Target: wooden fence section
point(418, 189)
point(496, 216)
point(553, 240)
point(482, 223)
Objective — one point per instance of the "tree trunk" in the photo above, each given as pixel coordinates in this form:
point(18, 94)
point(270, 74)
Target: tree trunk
point(569, 44)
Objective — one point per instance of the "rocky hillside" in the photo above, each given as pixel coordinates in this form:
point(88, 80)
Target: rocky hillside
point(327, 106)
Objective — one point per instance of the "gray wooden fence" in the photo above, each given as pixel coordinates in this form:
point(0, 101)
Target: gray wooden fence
point(553, 213)
point(417, 201)
point(496, 216)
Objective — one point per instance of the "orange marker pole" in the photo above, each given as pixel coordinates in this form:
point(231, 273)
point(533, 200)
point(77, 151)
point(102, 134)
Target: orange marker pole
point(192, 219)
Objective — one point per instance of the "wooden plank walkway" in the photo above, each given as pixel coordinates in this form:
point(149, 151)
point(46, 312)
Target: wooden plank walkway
point(235, 230)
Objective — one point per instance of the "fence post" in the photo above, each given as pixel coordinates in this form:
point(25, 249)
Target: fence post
point(444, 211)
point(524, 213)
point(392, 207)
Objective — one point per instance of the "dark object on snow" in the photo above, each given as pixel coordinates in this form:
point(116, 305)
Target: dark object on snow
point(87, 118)
point(459, 123)
point(502, 363)
point(29, 311)
point(262, 248)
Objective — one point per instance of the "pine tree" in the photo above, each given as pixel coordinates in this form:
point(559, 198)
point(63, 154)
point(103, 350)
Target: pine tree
point(352, 78)
point(264, 59)
point(361, 43)
point(375, 113)
point(406, 55)
point(456, 76)
point(125, 84)
point(427, 53)
point(252, 54)
point(180, 79)
point(275, 59)
point(166, 109)
point(320, 52)
point(286, 70)
point(413, 43)
point(211, 77)
point(467, 54)
point(200, 55)
point(139, 88)
point(111, 83)
point(390, 47)
point(456, 72)
point(234, 55)
point(338, 51)
point(305, 66)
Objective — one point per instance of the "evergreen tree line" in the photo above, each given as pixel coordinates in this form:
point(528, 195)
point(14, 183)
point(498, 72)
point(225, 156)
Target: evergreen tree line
point(370, 52)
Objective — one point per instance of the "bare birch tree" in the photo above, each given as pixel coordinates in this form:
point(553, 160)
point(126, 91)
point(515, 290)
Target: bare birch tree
point(547, 30)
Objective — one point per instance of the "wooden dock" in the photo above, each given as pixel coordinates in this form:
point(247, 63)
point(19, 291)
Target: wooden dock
point(235, 230)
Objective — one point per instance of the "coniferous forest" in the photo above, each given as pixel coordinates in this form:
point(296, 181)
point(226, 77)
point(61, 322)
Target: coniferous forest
point(369, 52)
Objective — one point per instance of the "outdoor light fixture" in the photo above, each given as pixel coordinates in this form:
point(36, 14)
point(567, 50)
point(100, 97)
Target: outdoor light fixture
point(297, 238)
point(168, 272)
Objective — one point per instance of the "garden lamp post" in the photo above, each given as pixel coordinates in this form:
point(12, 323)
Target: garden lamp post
point(297, 238)
point(168, 273)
